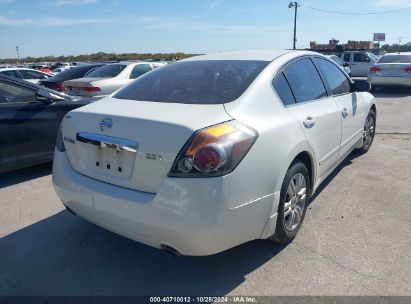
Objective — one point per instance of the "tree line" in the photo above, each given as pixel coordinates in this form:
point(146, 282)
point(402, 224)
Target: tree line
point(100, 56)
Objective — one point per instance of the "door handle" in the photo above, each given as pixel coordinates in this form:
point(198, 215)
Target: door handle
point(353, 64)
point(344, 113)
point(309, 122)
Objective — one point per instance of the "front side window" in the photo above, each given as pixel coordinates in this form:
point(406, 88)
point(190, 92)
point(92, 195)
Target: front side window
point(283, 90)
point(107, 71)
point(347, 57)
point(27, 74)
point(195, 82)
point(12, 93)
point(334, 77)
point(304, 80)
point(139, 70)
point(361, 57)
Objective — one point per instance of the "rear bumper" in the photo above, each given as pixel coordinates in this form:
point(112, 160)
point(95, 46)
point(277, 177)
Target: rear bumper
point(190, 215)
point(389, 81)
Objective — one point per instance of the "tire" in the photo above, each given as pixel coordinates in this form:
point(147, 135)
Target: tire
point(369, 132)
point(293, 202)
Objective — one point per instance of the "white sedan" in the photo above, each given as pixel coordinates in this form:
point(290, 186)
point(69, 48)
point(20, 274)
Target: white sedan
point(212, 151)
point(109, 78)
point(29, 75)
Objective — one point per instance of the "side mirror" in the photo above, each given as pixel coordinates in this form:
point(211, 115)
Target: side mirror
point(360, 86)
point(46, 96)
point(346, 64)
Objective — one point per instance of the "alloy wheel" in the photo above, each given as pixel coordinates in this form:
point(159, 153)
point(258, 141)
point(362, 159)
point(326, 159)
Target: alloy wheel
point(295, 201)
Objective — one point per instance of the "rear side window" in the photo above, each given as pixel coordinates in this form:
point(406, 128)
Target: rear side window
point(304, 80)
point(334, 77)
point(139, 70)
point(283, 90)
point(10, 93)
point(195, 82)
point(395, 59)
point(107, 71)
point(10, 73)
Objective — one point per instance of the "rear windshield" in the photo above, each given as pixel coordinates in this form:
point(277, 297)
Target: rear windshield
point(107, 71)
point(76, 72)
point(195, 82)
point(395, 59)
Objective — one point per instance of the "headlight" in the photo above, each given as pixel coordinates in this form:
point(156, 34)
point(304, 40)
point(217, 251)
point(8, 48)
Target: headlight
point(214, 151)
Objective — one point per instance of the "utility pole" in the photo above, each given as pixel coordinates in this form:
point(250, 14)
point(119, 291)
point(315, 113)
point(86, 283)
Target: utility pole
point(17, 50)
point(295, 5)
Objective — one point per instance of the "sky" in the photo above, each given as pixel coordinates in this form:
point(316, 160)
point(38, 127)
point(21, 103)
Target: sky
point(74, 27)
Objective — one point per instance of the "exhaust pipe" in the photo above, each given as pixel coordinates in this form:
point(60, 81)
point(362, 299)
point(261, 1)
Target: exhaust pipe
point(170, 250)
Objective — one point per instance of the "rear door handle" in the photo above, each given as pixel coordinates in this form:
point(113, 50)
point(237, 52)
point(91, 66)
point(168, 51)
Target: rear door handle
point(309, 122)
point(344, 113)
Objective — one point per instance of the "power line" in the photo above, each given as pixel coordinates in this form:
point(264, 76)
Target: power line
point(353, 13)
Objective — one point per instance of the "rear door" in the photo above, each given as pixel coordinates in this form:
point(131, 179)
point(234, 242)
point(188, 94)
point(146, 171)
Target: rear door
point(27, 126)
point(318, 114)
point(339, 87)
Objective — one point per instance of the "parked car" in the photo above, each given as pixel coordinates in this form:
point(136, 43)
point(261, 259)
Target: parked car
point(392, 69)
point(56, 82)
point(41, 68)
point(29, 75)
point(29, 118)
point(345, 66)
point(60, 65)
point(359, 62)
point(109, 78)
point(212, 151)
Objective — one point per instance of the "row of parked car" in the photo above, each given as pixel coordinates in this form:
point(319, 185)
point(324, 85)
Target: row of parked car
point(96, 79)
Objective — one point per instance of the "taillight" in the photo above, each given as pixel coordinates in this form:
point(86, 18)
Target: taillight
point(55, 86)
point(375, 69)
point(214, 151)
point(90, 89)
point(407, 70)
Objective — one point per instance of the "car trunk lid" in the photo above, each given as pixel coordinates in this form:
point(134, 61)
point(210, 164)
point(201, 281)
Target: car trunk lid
point(393, 69)
point(133, 144)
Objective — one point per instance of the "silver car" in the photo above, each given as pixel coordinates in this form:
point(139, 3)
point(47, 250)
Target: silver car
point(109, 78)
point(393, 69)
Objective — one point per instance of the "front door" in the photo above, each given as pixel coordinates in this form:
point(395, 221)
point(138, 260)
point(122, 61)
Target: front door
point(26, 126)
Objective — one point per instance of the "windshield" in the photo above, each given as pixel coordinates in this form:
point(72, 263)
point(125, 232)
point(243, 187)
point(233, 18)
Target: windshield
point(107, 71)
point(195, 82)
point(395, 59)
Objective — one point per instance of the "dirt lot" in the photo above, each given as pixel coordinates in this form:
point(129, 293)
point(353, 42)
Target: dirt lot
point(356, 239)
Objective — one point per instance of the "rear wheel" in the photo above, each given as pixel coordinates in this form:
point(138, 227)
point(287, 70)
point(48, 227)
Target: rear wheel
point(369, 132)
point(293, 202)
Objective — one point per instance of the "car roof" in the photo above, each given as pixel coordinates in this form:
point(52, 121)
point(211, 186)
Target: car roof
point(398, 53)
point(13, 69)
point(263, 55)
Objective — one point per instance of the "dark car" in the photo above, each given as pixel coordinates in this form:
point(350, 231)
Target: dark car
point(30, 116)
point(56, 82)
